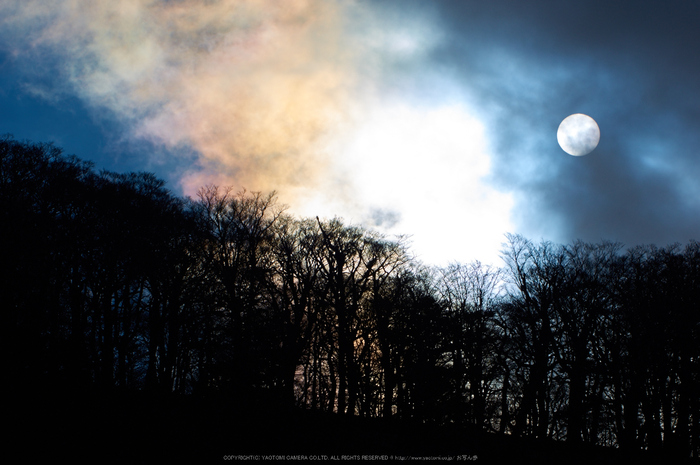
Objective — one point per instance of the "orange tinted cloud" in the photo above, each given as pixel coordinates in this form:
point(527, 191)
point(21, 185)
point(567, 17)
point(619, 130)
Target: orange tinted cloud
point(253, 86)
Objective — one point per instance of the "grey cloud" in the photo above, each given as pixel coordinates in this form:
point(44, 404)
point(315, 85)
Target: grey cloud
point(632, 66)
point(383, 218)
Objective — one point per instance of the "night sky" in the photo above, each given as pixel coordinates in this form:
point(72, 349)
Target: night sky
point(434, 119)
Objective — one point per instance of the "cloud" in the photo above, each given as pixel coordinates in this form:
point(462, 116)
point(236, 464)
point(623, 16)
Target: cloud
point(383, 218)
point(527, 66)
point(431, 164)
point(433, 119)
point(252, 86)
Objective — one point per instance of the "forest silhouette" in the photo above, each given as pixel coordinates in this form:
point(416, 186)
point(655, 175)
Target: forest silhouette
point(139, 325)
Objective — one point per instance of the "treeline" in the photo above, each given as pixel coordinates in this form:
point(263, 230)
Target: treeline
point(110, 281)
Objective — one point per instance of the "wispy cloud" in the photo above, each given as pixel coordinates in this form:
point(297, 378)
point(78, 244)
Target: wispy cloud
point(252, 86)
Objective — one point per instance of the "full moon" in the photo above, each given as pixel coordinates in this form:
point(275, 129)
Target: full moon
point(578, 134)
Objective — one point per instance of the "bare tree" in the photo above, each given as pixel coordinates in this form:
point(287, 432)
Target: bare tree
point(470, 294)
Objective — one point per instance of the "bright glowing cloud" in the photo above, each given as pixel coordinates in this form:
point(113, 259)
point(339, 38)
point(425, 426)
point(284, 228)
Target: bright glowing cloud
point(423, 172)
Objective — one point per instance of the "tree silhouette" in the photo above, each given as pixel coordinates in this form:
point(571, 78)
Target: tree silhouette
point(111, 284)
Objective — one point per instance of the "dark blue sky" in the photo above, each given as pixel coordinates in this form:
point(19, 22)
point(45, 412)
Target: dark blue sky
point(434, 119)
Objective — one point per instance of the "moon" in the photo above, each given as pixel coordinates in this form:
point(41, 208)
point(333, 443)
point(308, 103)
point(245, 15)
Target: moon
point(578, 134)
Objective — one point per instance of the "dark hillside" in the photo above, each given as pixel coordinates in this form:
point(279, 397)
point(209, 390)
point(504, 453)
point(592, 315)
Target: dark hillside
point(141, 428)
